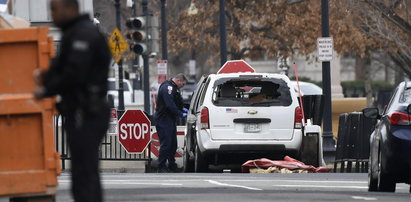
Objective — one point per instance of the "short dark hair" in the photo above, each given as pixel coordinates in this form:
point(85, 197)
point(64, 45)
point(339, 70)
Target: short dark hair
point(181, 77)
point(73, 3)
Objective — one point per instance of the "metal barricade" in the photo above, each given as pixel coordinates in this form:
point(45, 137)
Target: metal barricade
point(353, 143)
point(110, 148)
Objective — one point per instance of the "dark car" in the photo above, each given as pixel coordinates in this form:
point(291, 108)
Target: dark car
point(390, 149)
point(187, 91)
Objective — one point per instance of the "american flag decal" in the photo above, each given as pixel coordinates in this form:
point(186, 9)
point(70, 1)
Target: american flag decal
point(230, 110)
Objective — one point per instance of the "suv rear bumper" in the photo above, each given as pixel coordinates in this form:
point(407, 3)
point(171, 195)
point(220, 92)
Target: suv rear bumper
point(208, 145)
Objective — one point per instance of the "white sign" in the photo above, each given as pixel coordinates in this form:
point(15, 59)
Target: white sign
point(113, 123)
point(133, 130)
point(192, 67)
point(161, 71)
point(325, 48)
point(162, 67)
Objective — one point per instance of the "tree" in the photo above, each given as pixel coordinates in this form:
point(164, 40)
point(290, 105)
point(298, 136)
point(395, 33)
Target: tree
point(284, 28)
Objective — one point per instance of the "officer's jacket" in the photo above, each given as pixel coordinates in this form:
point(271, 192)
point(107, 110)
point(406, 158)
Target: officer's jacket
point(169, 101)
point(79, 72)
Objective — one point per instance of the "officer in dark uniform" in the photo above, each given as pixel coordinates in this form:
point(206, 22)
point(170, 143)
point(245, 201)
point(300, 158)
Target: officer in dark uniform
point(169, 108)
point(79, 75)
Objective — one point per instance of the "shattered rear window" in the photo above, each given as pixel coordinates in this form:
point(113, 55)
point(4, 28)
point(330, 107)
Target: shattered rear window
point(245, 91)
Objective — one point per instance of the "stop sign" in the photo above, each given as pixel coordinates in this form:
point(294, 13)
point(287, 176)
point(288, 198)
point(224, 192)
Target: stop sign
point(134, 132)
point(235, 66)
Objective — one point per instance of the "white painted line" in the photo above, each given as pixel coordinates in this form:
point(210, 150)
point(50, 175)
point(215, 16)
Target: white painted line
point(128, 182)
point(322, 186)
point(364, 198)
point(232, 185)
point(301, 181)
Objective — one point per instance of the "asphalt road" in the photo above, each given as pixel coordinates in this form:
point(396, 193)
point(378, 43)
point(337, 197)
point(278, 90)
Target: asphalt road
point(122, 187)
point(237, 187)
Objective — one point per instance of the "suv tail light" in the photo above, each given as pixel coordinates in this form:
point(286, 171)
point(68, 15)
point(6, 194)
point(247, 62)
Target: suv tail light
point(205, 120)
point(298, 120)
point(399, 118)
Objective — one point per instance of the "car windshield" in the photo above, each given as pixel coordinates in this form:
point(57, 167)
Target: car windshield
point(112, 86)
point(406, 96)
point(251, 92)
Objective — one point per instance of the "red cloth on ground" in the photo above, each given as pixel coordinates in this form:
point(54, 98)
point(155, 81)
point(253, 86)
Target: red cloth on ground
point(288, 162)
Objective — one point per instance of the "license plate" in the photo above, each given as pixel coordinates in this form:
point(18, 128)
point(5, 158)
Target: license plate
point(252, 128)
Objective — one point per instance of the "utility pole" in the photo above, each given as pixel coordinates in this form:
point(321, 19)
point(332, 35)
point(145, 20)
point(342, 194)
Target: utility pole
point(164, 30)
point(328, 141)
point(146, 77)
point(223, 34)
point(120, 107)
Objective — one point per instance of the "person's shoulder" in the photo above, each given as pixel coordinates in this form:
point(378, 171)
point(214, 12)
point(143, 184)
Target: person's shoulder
point(166, 86)
point(87, 29)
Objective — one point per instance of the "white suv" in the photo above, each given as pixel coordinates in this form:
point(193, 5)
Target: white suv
point(236, 117)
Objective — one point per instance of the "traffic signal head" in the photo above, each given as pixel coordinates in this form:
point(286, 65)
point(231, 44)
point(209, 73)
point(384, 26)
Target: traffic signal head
point(138, 48)
point(137, 36)
point(135, 23)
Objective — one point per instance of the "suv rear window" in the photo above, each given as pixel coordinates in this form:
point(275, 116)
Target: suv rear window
point(246, 91)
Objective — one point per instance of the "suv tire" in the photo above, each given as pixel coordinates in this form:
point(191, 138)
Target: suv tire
point(188, 165)
point(200, 164)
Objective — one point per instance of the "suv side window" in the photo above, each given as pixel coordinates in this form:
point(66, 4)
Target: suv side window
point(196, 93)
point(202, 94)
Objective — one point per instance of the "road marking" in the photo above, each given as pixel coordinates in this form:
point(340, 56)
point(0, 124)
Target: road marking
point(128, 182)
point(321, 186)
point(301, 181)
point(364, 198)
point(232, 185)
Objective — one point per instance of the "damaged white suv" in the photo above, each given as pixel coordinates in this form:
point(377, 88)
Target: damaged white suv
point(235, 117)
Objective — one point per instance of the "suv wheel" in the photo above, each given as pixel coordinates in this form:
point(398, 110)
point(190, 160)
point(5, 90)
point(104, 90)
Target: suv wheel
point(188, 165)
point(200, 164)
point(385, 181)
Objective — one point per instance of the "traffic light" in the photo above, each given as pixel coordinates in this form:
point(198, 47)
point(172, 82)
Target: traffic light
point(137, 34)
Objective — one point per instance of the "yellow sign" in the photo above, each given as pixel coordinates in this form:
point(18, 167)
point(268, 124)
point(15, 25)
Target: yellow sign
point(117, 45)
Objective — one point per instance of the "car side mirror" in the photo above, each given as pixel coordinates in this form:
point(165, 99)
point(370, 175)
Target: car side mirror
point(371, 113)
point(409, 109)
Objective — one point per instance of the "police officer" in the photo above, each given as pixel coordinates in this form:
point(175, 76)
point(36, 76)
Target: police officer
point(79, 75)
point(169, 108)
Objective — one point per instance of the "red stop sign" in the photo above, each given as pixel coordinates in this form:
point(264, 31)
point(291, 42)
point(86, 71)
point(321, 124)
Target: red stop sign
point(235, 66)
point(134, 132)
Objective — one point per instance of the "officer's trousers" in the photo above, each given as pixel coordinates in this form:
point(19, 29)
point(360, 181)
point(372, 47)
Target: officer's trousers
point(167, 132)
point(83, 142)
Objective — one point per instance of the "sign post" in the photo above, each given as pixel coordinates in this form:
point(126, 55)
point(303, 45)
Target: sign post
point(134, 131)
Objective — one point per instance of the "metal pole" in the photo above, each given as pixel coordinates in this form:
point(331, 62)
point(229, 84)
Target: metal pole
point(164, 30)
point(146, 70)
point(223, 34)
point(328, 141)
point(120, 108)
